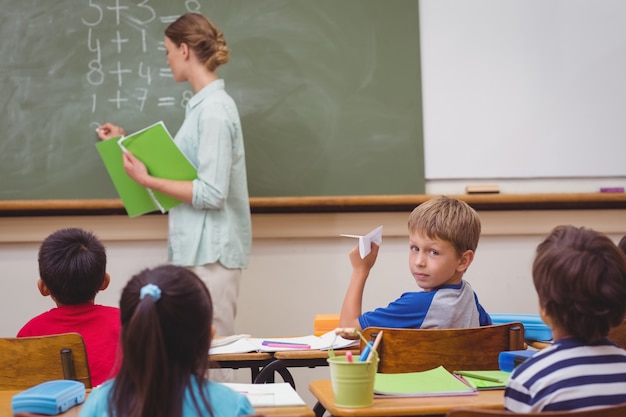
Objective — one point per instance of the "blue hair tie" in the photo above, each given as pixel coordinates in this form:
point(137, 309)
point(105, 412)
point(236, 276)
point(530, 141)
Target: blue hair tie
point(151, 290)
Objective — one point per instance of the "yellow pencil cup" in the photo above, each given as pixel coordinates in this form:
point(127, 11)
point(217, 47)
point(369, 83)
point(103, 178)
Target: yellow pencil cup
point(353, 382)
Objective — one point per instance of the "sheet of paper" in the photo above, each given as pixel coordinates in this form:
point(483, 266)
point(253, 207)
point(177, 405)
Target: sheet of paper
point(268, 395)
point(255, 344)
point(365, 242)
point(238, 346)
point(226, 340)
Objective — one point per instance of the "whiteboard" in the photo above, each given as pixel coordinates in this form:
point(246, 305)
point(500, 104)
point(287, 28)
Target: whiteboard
point(523, 88)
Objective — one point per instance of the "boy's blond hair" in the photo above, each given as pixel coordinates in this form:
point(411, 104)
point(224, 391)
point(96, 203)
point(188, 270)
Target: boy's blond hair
point(447, 219)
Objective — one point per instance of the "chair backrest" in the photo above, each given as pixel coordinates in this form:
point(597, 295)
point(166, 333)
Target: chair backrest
point(413, 350)
point(613, 411)
point(618, 334)
point(28, 361)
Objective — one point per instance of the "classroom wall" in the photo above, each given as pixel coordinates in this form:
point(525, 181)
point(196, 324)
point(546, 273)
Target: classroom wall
point(299, 265)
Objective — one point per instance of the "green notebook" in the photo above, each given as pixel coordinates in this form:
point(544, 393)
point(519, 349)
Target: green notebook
point(434, 382)
point(483, 380)
point(154, 147)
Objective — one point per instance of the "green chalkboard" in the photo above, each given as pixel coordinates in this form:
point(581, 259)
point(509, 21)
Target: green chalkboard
point(328, 91)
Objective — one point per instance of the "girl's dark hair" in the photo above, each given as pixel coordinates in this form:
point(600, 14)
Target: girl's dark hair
point(201, 36)
point(72, 264)
point(165, 344)
point(580, 277)
point(622, 244)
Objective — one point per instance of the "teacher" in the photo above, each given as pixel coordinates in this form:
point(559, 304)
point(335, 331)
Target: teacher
point(210, 232)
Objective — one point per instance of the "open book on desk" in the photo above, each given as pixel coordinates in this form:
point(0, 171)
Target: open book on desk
point(268, 395)
point(279, 344)
point(432, 383)
point(154, 147)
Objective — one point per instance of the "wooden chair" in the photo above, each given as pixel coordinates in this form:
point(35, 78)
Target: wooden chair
point(613, 411)
point(412, 350)
point(28, 361)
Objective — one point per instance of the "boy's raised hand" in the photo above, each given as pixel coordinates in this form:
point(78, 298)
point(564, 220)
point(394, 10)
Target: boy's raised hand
point(363, 264)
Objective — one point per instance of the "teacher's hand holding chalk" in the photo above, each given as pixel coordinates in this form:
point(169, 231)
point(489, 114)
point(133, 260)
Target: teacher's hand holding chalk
point(109, 130)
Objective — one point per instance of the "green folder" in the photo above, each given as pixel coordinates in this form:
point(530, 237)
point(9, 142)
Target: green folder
point(154, 147)
point(434, 382)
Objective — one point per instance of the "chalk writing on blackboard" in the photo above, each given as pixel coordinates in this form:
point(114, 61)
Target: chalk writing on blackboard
point(117, 67)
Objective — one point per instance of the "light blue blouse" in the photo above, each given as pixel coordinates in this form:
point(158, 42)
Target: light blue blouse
point(217, 226)
point(224, 401)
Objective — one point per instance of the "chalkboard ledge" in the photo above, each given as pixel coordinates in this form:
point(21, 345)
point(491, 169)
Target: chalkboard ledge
point(324, 204)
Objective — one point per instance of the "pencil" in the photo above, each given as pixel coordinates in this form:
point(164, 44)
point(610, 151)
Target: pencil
point(379, 336)
point(478, 376)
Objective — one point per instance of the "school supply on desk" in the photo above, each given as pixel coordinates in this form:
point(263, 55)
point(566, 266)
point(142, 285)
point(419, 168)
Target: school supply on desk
point(154, 147)
point(277, 344)
point(365, 242)
point(482, 380)
point(268, 395)
point(511, 359)
point(49, 398)
point(431, 383)
point(534, 327)
point(323, 323)
point(371, 348)
point(353, 381)
point(289, 345)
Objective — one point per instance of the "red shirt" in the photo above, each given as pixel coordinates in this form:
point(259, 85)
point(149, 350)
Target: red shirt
point(100, 327)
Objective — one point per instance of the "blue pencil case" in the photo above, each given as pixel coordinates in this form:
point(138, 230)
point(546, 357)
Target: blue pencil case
point(534, 327)
point(49, 398)
point(508, 360)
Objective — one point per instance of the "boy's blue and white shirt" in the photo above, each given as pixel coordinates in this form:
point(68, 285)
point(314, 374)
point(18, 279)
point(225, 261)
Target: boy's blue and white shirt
point(447, 307)
point(569, 375)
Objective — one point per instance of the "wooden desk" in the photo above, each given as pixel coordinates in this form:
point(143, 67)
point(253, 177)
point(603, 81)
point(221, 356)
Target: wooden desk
point(295, 359)
point(295, 411)
point(253, 360)
point(323, 391)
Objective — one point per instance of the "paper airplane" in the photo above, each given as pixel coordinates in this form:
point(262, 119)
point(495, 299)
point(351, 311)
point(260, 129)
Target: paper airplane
point(365, 242)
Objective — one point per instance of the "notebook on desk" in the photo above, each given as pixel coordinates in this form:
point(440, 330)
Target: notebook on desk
point(268, 395)
point(278, 344)
point(431, 383)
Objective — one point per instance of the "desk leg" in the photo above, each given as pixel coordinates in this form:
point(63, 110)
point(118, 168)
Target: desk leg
point(267, 373)
point(319, 409)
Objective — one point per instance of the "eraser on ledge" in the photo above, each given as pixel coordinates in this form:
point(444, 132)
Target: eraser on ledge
point(612, 189)
point(482, 188)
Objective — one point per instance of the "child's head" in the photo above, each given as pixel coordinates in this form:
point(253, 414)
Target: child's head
point(167, 316)
point(580, 278)
point(447, 219)
point(72, 266)
point(202, 37)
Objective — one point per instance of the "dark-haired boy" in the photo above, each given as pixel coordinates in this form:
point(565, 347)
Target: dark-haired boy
point(72, 269)
point(580, 278)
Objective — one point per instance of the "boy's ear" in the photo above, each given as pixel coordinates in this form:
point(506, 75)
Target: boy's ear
point(212, 332)
point(43, 288)
point(544, 316)
point(105, 282)
point(465, 260)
